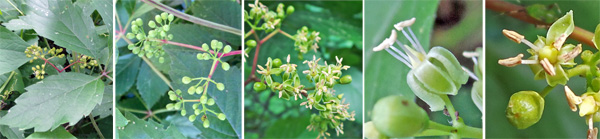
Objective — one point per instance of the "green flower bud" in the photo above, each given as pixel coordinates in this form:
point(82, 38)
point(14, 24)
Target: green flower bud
point(130, 46)
point(225, 66)
point(221, 116)
point(172, 97)
point(136, 50)
point(206, 124)
point(276, 62)
point(192, 118)
point(178, 92)
point(397, 116)
point(191, 90)
point(210, 102)
point(250, 43)
point(177, 105)
point(166, 27)
point(151, 24)
point(163, 34)
point(183, 112)
point(259, 86)
point(170, 36)
point(186, 80)
point(203, 99)
point(205, 47)
point(197, 111)
point(171, 17)
point(161, 60)
point(140, 37)
point(139, 22)
point(170, 106)
point(346, 79)
point(290, 9)
point(164, 15)
point(158, 19)
point(227, 49)
point(525, 108)
point(220, 86)
point(199, 90)
point(130, 35)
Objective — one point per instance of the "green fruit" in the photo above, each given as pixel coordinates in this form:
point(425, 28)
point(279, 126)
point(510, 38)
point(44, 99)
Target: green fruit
point(550, 53)
point(177, 105)
point(197, 112)
point(164, 15)
point(130, 36)
point(290, 9)
point(158, 18)
point(397, 116)
point(151, 24)
point(205, 47)
point(259, 86)
point(186, 80)
point(346, 79)
point(221, 116)
point(183, 112)
point(161, 60)
point(227, 49)
point(166, 27)
point(250, 43)
point(203, 99)
point(130, 46)
point(191, 90)
point(199, 90)
point(169, 106)
point(171, 17)
point(525, 108)
point(225, 66)
point(276, 62)
point(139, 22)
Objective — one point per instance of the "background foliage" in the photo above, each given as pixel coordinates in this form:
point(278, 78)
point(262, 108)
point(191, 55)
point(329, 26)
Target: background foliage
point(501, 82)
point(339, 24)
point(386, 76)
point(140, 89)
point(42, 108)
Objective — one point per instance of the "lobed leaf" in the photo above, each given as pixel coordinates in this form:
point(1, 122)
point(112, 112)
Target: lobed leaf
point(12, 51)
point(56, 100)
point(59, 133)
point(150, 86)
point(138, 128)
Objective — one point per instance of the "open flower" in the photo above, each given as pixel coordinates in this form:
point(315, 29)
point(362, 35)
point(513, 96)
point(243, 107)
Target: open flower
point(588, 108)
point(548, 55)
point(433, 74)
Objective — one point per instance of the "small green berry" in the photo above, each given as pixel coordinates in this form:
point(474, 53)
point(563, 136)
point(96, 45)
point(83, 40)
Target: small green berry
point(178, 92)
point(139, 22)
point(197, 111)
point(136, 50)
point(200, 56)
point(140, 36)
point(199, 90)
point(346, 79)
point(171, 17)
point(276, 62)
point(227, 49)
point(210, 102)
point(205, 47)
point(164, 15)
point(250, 43)
point(220, 86)
point(203, 99)
point(524, 109)
point(170, 106)
point(166, 27)
point(396, 117)
point(290, 9)
point(161, 60)
point(213, 44)
point(206, 124)
point(135, 28)
point(163, 34)
point(177, 105)
point(221, 116)
point(192, 118)
point(225, 66)
point(192, 90)
point(130, 35)
point(183, 112)
point(172, 97)
point(259, 86)
point(186, 80)
point(130, 46)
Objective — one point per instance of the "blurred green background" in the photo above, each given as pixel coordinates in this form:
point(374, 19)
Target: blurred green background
point(340, 27)
point(501, 82)
point(455, 25)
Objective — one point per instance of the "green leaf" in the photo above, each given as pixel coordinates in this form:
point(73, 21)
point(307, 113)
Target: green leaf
point(596, 38)
point(150, 85)
point(104, 109)
point(8, 132)
point(222, 12)
point(17, 24)
point(563, 25)
point(335, 32)
point(59, 133)
point(105, 9)
point(353, 93)
point(228, 101)
point(138, 128)
point(127, 71)
point(66, 25)
point(294, 127)
point(120, 120)
point(15, 82)
point(12, 51)
point(186, 127)
point(56, 100)
point(390, 78)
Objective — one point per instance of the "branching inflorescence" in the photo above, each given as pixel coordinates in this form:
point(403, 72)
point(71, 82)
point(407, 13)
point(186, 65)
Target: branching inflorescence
point(46, 54)
point(200, 106)
point(553, 60)
point(151, 44)
point(434, 75)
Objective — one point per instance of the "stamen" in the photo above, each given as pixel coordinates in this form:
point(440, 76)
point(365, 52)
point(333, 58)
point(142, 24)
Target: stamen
point(548, 67)
point(511, 62)
point(518, 38)
point(471, 74)
point(399, 58)
point(410, 40)
point(529, 62)
point(572, 99)
point(405, 48)
point(401, 53)
point(387, 42)
point(420, 47)
point(404, 23)
point(558, 43)
point(570, 55)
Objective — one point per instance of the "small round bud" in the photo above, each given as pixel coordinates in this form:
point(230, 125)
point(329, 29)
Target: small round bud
point(171, 17)
point(397, 116)
point(191, 90)
point(178, 92)
point(200, 56)
point(164, 15)
point(169, 106)
point(225, 66)
point(170, 36)
point(259, 86)
point(186, 80)
point(136, 50)
point(161, 60)
point(192, 118)
point(206, 124)
point(177, 105)
point(290, 9)
point(166, 27)
point(158, 18)
point(205, 47)
point(220, 86)
point(172, 97)
point(250, 43)
point(203, 99)
point(139, 22)
point(130, 46)
point(130, 35)
point(227, 49)
point(221, 116)
point(151, 24)
point(197, 111)
point(199, 90)
point(277, 62)
point(210, 102)
point(140, 37)
point(346, 79)
point(183, 112)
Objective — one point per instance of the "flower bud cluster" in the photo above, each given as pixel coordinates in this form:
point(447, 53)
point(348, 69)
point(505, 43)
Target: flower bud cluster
point(150, 45)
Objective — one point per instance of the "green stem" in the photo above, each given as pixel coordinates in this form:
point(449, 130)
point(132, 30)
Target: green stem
point(132, 110)
point(7, 80)
point(440, 127)
point(286, 34)
point(450, 109)
point(469, 132)
point(249, 33)
point(433, 132)
point(13, 5)
point(162, 76)
point(546, 90)
point(96, 127)
point(162, 111)
point(578, 70)
point(193, 19)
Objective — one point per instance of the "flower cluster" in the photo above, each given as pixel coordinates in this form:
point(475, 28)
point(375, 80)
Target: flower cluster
point(306, 40)
point(332, 108)
point(272, 19)
point(200, 88)
point(150, 45)
point(42, 54)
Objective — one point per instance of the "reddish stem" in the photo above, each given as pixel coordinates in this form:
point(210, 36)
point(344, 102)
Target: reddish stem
point(59, 70)
point(237, 52)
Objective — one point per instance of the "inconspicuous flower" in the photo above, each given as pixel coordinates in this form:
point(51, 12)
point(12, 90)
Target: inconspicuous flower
point(548, 55)
point(432, 74)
